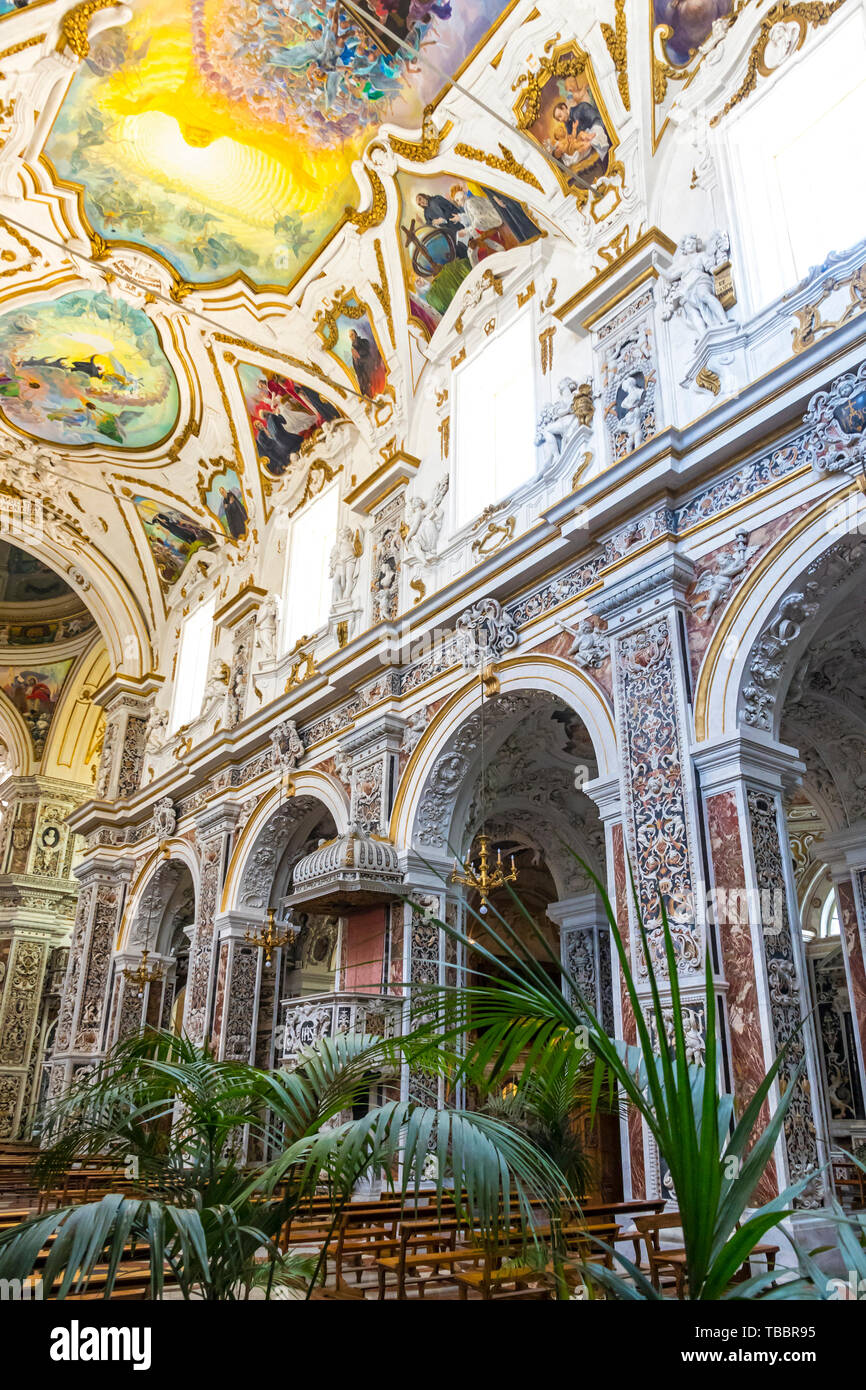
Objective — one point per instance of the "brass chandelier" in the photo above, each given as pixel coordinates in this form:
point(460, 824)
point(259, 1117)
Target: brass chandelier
point(269, 938)
point(143, 974)
point(483, 878)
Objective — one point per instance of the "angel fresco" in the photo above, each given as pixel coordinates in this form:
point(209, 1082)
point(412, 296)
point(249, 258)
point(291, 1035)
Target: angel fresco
point(173, 538)
point(690, 23)
point(35, 694)
point(283, 415)
point(227, 116)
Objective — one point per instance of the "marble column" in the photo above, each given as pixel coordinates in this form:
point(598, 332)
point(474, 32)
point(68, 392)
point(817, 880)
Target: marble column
point(633, 1139)
point(743, 780)
point(83, 1024)
point(239, 978)
point(656, 825)
point(214, 829)
point(845, 854)
point(585, 950)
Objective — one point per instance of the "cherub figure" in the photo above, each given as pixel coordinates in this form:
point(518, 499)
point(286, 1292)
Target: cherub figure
point(425, 525)
point(559, 420)
point(690, 287)
point(716, 585)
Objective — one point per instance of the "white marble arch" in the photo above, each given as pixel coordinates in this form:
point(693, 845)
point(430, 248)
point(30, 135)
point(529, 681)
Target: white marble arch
point(724, 671)
point(309, 784)
point(180, 851)
point(15, 734)
point(103, 590)
point(525, 674)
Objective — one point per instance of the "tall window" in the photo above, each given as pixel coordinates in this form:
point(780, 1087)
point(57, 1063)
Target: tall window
point(308, 584)
point(794, 152)
point(193, 658)
point(494, 420)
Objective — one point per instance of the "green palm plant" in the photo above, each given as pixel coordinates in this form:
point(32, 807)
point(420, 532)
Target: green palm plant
point(714, 1156)
point(547, 1108)
point(176, 1118)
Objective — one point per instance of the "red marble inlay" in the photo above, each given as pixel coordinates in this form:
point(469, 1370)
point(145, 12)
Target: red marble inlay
point(629, 1029)
point(735, 938)
point(854, 953)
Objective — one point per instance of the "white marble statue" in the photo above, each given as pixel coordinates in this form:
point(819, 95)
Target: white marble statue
point(155, 738)
point(631, 403)
point(266, 628)
point(689, 287)
point(215, 687)
point(345, 564)
point(425, 525)
point(558, 420)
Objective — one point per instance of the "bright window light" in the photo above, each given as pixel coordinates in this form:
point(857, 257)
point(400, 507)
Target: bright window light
point(794, 151)
point(308, 587)
point(494, 420)
point(830, 916)
point(193, 659)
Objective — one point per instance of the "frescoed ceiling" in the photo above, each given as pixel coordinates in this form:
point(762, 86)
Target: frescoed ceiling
point(234, 236)
point(221, 133)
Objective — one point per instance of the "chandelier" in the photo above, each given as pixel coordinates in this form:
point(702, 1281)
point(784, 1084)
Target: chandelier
point(483, 878)
point(143, 974)
point(269, 938)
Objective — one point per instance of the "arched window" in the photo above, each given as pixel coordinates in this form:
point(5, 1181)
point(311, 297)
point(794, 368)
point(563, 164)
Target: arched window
point(830, 925)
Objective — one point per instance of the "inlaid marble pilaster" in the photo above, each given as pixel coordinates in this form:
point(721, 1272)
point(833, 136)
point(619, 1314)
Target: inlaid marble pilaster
point(239, 976)
point(214, 831)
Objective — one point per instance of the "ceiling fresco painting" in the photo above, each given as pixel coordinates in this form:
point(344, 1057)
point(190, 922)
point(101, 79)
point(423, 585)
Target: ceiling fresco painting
point(173, 538)
point(235, 125)
point(447, 227)
point(348, 333)
point(224, 498)
point(683, 25)
point(35, 693)
point(86, 369)
point(283, 415)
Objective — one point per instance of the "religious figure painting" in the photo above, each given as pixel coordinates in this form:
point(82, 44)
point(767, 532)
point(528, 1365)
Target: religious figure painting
point(447, 226)
point(347, 332)
point(172, 537)
point(222, 133)
point(224, 499)
point(35, 693)
point(561, 107)
point(683, 25)
point(283, 415)
point(86, 369)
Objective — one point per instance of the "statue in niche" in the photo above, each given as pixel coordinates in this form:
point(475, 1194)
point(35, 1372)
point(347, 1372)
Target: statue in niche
point(266, 628)
point(345, 564)
point(714, 586)
point(559, 420)
point(688, 284)
point(425, 525)
point(631, 400)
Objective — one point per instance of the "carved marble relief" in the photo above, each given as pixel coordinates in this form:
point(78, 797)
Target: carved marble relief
point(625, 347)
point(660, 837)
